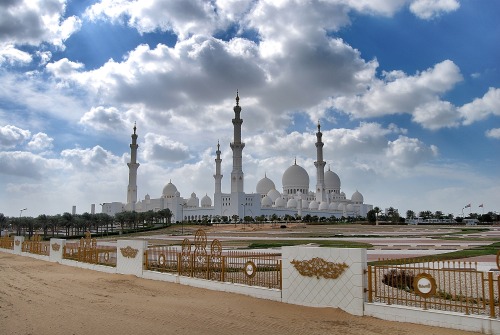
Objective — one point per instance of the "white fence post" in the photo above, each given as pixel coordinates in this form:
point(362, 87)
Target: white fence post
point(324, 277)
point(129, 257)
point(56, 249)
point(18, 244)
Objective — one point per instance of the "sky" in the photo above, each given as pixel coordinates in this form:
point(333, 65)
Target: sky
point(407, 93)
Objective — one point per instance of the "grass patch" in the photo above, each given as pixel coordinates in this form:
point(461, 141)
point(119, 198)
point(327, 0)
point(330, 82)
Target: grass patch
point(326, 244)
point(485, 250)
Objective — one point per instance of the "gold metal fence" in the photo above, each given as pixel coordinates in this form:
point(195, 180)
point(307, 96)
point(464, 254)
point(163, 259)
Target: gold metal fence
point(249, 268)
point(454, 286)
point(194, 260)
point(7, 242)
point(87, 251)
point(35, 245)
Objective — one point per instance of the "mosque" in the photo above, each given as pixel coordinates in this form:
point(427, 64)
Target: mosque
point(296, 199)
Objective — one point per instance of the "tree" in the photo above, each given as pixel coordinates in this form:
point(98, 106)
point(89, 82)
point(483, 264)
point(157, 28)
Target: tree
point(3, 221)
point(43, 220)
point(410, 214)
point(371, 216)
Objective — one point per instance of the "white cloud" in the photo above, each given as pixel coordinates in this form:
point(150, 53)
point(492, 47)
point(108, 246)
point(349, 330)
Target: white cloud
point(493, 133)
point(90, 159)
point(481, 108)
point(11, 55)
point(429, 9)
point(161, 148)
point(436, 115)
point(400, 93)
point(409, 152)
point(34, 22)
point(22, 164)
point(104, 119)
point(12, 136)
point(40, 141)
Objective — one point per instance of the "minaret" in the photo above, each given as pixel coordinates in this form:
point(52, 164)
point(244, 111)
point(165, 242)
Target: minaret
point(132, 171)
point(218, 175)
point(320, 167)
point(237, 176)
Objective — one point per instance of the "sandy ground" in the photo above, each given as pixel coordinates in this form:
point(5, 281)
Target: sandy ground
point(39, 297)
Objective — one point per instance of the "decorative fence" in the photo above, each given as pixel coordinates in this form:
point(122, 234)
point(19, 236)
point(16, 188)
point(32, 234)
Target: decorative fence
point(88, 251)
point(441, 285)
point(249, 268)
point(7, 242)
point(35, 245)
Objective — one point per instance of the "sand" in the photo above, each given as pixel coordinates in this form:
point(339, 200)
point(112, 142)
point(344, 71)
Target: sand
point(39, 297)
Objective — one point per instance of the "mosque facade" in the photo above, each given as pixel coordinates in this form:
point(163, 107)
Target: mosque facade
point(296, 198)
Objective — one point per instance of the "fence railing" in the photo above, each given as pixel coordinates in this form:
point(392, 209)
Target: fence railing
point(454, 286)
point(249, 268)
point(87, 251)
point(36, 246)
point(7, 242)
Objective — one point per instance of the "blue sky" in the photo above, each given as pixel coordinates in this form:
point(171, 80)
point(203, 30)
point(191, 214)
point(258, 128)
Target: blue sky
point(407, 93)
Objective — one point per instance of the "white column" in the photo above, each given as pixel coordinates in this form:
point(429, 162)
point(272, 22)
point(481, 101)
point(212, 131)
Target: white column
point(129, 257)
point(18, 244)
point(56, 249)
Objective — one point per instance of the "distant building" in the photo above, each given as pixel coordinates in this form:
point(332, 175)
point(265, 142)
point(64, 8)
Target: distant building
point(295, 199)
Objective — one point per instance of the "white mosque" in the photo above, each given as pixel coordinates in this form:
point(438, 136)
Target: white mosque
point(296, 199)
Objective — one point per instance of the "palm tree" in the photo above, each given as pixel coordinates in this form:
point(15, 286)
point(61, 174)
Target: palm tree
point(377, 211)
point(43, 220)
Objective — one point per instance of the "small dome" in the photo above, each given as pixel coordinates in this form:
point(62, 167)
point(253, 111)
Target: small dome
point(313, 205)
point(305, 204)
point(333, 206)
point(341, 206)
point(342, 194)
point(295, 177)
point(273, 194)
point(206, 201)
point(292, 203)
point(266, 202)
point(357, 198)
point(349, 208)
point(193, 201)
point(264, 186)
point(332, 180)
point(280, 202)
point(323, 206)
point(147, 197)
point(169, 190)
point(177, 194)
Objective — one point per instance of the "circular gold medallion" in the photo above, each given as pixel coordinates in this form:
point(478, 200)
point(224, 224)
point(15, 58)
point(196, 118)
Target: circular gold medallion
point(424, 285)
point(161, 260)
point(106, 256)
point(250, 269)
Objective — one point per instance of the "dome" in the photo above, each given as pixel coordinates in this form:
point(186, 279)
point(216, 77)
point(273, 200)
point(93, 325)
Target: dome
point(206, 201)
point(266, 201)
point(273, 194)
point(147, 197)
point(341, 206)
point(177, 194)
point(349, 208)
point(313, 205)
point(323, 206)
point(295, 177)
point(169, 190)
point(292, 203)
point(333, 206)
point(332, 180)
point(305, 204)
point(264, 185)
point(357, 198)
point(280, 202)
point(193, 201)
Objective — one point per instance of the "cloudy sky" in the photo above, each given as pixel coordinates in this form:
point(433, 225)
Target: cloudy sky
point(407, 93)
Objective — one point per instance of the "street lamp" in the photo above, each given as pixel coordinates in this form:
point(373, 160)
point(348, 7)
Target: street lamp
point(21, 212)
point(244, 221)
point(182, 217)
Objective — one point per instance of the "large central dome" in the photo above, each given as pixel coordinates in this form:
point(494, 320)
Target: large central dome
point(295, 178)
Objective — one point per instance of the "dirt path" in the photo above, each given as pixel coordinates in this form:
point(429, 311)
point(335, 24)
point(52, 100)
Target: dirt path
point(38, 297)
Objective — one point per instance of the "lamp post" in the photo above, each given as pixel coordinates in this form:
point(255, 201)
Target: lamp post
point(182, 217)
point(21, 212)
point(244, 221)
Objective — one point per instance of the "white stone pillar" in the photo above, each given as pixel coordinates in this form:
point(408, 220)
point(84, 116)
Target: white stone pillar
point(18, 244)
point(129, 257)
point(56, 249)
point(308, 277)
